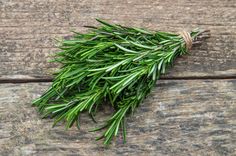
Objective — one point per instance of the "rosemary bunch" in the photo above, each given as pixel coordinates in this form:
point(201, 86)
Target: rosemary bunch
point(109, 63)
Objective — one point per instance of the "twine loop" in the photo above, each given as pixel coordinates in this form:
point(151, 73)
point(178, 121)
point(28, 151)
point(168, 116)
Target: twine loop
point(187, 39)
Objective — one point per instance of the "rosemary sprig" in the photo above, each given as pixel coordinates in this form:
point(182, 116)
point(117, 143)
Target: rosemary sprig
point(113, 63)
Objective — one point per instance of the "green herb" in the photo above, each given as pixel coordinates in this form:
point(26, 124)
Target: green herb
point(110, 64)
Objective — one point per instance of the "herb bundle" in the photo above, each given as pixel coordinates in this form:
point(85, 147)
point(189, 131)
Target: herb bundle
point(111, 64)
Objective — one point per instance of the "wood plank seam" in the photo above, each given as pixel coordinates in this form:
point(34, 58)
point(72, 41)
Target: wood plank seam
point(18, 80)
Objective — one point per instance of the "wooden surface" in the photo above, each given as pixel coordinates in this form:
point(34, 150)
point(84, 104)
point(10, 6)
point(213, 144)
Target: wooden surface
point(27, 30)
point(193, 118)
point(191, 112)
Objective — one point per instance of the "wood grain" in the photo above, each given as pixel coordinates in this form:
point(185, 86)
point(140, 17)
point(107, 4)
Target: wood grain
point(27, 29)
point(180, 117)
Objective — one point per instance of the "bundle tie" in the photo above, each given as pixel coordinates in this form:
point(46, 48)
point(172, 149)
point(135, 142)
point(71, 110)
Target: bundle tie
point(187, 39)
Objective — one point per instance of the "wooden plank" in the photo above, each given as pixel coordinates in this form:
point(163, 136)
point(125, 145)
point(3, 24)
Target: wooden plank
point(180, 117)
point(27, 29)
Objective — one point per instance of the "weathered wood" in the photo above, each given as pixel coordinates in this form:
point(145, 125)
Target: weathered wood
point(180, 117)
point(27, 29)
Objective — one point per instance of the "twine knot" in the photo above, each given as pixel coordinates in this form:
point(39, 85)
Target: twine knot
point(187, 39)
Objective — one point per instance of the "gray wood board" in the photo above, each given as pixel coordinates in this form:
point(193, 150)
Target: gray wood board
point(179, 117)
point(28, 29)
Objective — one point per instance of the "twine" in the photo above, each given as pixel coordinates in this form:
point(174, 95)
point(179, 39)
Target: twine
point(187, 39)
